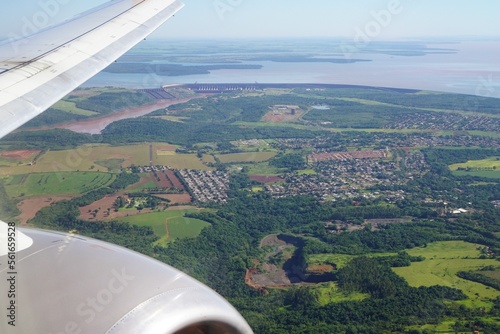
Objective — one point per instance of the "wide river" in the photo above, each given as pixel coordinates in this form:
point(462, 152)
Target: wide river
point(473, 69)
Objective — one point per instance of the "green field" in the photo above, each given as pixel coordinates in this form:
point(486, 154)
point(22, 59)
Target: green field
point(340, 260)
point(487, 168)
point(443, 261)
point(56, 183)
point(72, 108)
point(111, 164)
point(90, 158)
point(493, 163)
point(265, 169)
point(181, 161)
point(307, 172)
point(246, 157)
point(330, 293)
point(178, 225)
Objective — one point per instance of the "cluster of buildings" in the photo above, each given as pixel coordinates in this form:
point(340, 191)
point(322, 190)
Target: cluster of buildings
point(149, 169)
point(444, 121)
point(206, 186)
point(350, 178)
point(341, 141)
point(327, 156)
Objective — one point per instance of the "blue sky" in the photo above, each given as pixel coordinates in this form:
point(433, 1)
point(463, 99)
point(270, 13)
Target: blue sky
point(381, 19)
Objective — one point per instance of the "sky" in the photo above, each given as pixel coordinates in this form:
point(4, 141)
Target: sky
point(377, 19)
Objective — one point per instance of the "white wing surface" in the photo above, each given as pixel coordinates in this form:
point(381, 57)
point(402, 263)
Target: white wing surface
point(61, 283)
point(38, 70)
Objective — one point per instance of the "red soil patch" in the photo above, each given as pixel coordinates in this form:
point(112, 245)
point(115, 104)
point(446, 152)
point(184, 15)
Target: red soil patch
point(266, 179)
point(30, 206)
point(88, 212)
point(320, 269)
point(176, 198)
point(164, 181)
point(19, 155)
point(144, 180)
point(96, 124)
point(175, 181)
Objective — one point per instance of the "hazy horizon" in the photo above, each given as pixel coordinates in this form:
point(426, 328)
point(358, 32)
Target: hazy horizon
point(362, 20)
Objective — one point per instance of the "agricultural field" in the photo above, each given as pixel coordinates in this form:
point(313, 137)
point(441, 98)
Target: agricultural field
point(169, 225)
point(113, 165)
point(209, 159)
point(146, 182)
point(490, 163)
point(265, 170)
point(442, 261)
point(340, 260)
point(90, 158)
point(330, 293)
point(56, 183)
point(71, 107)
point(488, 168)
point(181, 161)
point(246, 157)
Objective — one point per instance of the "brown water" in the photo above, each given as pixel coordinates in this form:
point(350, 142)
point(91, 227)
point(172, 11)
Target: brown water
point(97, 124)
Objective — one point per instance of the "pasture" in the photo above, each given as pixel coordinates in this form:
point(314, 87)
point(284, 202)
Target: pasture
point(247, 157)
point(340, 260)
point(442, 261)
point(181, 161)
point(490, 163)
point(101, 158)
point(111, 164)
point(330, 293)
point(488, 168)
point(63, 183)
point(169, 225)
point(71, 108)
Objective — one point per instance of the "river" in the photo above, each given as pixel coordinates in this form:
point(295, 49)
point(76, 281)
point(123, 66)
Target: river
point(473, 69)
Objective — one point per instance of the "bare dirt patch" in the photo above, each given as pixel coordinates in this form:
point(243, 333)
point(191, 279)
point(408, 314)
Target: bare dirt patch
point(164, 180)
point(96, 124)
point(319, 269)
point(30, 206)
point(283, 114)
point(19, 155)
point(176, 198)
point(272, 277)
point(175, 181)
point(271, 240)
point(98, 210)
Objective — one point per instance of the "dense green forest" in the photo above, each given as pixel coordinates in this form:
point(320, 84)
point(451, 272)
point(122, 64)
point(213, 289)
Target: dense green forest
point(444, 101)
point(223, 253)
point(108, 102)
point(52, 116)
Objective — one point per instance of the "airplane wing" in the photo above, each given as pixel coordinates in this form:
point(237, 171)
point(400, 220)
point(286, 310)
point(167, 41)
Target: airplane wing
point(38, 70)
point(61, 283)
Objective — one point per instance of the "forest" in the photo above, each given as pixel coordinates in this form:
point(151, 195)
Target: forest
point(223, 253)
